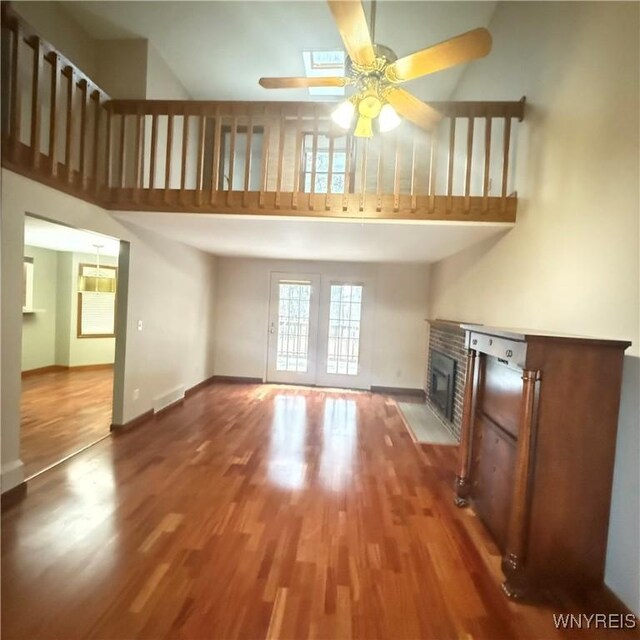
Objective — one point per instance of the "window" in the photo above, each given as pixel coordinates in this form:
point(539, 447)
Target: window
point(294, 302)
point(320, 64)
point(97, 301)
point(345, 311)
point(338, 175)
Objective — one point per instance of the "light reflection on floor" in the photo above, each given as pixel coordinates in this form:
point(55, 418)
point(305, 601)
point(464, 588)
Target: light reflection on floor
point(287, 466)
point(339, 437)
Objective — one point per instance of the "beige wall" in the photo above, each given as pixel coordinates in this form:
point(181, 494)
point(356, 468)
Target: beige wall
point(39, 329)
point(52, 22)
point(571, 262)
point(170, 289)
point(399, 346)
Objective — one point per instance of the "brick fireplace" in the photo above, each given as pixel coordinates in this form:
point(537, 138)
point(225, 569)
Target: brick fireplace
point(446, 344)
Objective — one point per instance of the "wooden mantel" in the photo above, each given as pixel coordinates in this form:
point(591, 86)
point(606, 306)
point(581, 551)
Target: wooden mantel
point(246, 158)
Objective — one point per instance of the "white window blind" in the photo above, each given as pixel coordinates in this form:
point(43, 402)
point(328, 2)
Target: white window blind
point(97, 309)
point(98, 312)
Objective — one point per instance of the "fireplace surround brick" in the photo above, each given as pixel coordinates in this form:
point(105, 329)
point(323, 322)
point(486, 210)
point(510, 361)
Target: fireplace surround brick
point(447, 337)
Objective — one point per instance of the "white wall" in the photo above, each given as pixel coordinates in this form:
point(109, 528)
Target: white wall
point(55, 24)
point(571, 262)
point(39, 329)
point(170, 289)
point(400, 330)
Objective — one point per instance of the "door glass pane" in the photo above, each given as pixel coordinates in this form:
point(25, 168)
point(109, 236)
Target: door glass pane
point(345, 310)
point(293, 326)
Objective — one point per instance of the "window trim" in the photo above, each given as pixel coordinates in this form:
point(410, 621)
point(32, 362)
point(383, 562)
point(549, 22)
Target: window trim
point(79, 334)
point(349, 151)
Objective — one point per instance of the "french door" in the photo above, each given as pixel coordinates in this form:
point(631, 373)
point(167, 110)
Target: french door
point(319, 331)
point(293, 328)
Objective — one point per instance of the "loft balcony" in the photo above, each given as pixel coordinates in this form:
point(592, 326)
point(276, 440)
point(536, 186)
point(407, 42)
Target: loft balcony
point(246, 158)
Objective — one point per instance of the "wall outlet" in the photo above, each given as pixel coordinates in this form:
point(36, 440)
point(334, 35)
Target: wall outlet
point(136, 394)
point(139, 325)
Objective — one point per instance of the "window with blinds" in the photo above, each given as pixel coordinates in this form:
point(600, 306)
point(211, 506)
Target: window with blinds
point(96, 301)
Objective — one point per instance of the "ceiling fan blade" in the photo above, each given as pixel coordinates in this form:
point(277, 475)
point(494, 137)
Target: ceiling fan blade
point(352, 25)
point(301, 83)
point(463, 48)
point(407, 105)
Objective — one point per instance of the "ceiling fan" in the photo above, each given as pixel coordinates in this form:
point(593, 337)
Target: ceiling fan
point(375, 72)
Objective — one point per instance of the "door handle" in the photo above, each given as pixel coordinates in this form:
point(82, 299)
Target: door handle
point(272, 329)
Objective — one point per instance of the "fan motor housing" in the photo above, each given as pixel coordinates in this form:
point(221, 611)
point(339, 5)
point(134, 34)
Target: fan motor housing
point(381, 52)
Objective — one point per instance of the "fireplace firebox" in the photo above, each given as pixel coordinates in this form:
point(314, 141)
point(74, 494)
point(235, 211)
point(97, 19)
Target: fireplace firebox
point(443, 373)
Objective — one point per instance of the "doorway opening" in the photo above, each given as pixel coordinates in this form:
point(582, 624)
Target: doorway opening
point(70, 287)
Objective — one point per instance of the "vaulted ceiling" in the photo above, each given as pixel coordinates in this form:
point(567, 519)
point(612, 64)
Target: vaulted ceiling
point(220, 49)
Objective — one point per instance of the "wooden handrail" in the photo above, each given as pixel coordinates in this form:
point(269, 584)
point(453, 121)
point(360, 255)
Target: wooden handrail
point(276, 158)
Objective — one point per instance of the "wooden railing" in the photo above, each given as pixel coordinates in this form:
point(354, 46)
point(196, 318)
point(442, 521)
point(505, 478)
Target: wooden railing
point(54, 118)
point(269, 158)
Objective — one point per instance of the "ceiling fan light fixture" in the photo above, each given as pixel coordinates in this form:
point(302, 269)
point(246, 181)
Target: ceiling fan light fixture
point(343, 114)
point(388, 118)
point(364, 127)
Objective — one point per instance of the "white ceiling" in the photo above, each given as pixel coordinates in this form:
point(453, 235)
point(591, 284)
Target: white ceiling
point(48, 235)
point(316, 239)
point(219, 49)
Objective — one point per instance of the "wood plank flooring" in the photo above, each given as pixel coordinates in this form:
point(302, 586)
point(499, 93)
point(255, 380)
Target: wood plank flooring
point(258, 511)
point(62, 412)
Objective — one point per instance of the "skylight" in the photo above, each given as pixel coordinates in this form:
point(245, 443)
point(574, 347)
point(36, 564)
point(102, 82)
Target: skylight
point(320, 64)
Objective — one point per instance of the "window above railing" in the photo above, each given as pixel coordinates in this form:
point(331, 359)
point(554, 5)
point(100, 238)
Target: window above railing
point(270, 158)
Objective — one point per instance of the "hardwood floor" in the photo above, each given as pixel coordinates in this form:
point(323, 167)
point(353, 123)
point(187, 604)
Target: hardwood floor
point(255, 511)
point(62, 412)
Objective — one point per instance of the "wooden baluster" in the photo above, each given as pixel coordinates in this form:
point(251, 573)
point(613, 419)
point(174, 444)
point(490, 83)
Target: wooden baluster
point(347, 172)
point(505, 161)
point(215, 161)
point(396, 176)
point(153, 152)
point(264, 169)
point(97, 111)
point(232, 157)
point(513, 561)
point(452, 153)
point(36, 91)
point(121, 167)
point(183, 164)
point(467, 177)
point(138, 159)
point(281, 144)
point(297, 167)
point(328, 198)
point(200, 164)
point(380, 175)
point(363, 176)
point(16, 103)
point(487, 164)
point(53, 112)
point(247, 161)
point(414, 203)
point(71, 96)
point(314, 159)
point(433, 162)
point(84, 95)
point(107, 152)
point(462, 483)
point(169, 151)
